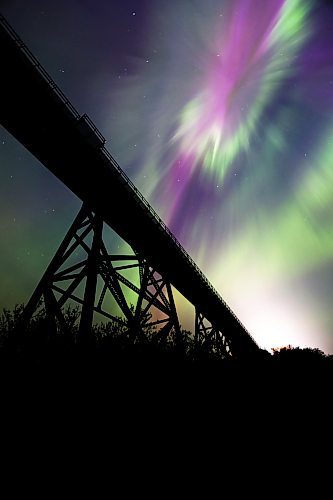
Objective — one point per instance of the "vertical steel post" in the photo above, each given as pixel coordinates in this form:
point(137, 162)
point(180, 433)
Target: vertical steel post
point(87, 312)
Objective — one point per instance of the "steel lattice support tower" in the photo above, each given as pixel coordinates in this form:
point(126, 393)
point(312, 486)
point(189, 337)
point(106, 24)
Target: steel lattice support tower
point(208, 338)
point(154, 308)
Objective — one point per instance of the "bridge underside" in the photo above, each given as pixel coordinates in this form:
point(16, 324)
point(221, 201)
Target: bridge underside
point(124, 289)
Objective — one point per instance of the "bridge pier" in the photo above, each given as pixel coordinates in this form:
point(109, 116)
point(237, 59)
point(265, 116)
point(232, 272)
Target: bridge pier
point(208, 337)
point(100, 278)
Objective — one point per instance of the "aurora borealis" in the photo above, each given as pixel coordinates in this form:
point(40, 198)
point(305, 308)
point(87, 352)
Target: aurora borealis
point(221, 113)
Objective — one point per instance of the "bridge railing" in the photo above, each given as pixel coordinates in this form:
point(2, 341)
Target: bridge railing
point(106, 153)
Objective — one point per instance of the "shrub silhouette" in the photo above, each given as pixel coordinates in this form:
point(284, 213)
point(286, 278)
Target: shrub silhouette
point(43, 344)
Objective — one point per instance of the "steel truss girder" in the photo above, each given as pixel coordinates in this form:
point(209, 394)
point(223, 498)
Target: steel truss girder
point(155, 304)
point(209, 338)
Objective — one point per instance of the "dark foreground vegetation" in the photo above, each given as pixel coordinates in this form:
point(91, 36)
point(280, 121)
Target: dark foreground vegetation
point(43, 347)
point(131, 386)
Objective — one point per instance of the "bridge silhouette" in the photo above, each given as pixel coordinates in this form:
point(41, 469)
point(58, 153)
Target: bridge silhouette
point(37, 113)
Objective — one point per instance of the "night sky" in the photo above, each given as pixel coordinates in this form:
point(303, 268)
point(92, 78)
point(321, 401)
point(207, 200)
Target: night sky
point(220, 111)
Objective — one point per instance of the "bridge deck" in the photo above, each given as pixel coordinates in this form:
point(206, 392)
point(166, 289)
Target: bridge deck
point(36, 112)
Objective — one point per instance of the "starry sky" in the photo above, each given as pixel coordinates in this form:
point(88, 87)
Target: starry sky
point(220, 111)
